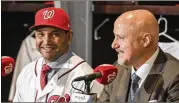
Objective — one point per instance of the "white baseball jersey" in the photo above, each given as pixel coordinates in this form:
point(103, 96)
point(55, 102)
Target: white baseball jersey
point(27, 53)
point(59, 88)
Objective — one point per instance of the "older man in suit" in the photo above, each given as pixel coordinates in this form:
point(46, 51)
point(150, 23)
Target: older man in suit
point(145, 72)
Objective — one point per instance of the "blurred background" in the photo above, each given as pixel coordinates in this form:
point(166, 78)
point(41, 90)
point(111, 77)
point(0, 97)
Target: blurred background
point(91, 22)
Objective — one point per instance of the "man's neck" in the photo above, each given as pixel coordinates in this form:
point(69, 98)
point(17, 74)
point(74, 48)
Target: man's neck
point(145, 57)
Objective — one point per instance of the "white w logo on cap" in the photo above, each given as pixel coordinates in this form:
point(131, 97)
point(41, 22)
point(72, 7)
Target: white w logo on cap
point(48, 14)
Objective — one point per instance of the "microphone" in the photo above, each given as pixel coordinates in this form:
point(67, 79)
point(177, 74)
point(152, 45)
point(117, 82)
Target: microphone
point(104, 74)
point(109, 73)
point(88, 77)
point(7, 64)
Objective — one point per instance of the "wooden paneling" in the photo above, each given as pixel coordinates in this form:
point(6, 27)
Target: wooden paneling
point(23, 7)
point(118, 9)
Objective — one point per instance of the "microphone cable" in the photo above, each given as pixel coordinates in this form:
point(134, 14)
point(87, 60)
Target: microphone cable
point(76, 88)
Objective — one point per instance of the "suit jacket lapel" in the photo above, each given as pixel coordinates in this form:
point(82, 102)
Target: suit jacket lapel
point(146, 91)
point(122, 84)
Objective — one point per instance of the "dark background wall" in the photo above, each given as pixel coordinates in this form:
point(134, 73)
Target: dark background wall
point(14, 29)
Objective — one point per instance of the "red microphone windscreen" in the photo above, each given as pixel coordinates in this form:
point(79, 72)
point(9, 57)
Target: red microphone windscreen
point(7, 65)
point(108, 71)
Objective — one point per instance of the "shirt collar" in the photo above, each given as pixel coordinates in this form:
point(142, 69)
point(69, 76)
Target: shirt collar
point(60, 61)
point(144, 70)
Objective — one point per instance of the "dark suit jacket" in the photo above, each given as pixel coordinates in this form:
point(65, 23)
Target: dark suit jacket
point(161, 84)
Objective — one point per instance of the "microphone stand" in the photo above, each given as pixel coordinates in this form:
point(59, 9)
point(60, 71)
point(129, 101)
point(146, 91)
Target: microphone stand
point(87, 86)
point(89, 97)
point(87, 91)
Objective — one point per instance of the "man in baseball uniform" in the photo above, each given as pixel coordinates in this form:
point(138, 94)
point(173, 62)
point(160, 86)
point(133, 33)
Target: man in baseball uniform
point(49, 79)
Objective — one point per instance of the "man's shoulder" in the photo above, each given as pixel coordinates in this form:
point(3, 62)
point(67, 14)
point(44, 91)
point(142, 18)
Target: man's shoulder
point(172, 63)
point(75, 60)
point(171, 67)
point(34, 62)
point(29, 70)
point(81, 64)
point(31, 65)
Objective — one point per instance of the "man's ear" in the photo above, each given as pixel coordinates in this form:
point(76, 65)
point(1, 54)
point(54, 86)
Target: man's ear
point(70, 36)
point(146, 39)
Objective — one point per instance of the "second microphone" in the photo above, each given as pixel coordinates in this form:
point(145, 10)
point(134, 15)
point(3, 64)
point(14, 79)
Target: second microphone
point(104, 74)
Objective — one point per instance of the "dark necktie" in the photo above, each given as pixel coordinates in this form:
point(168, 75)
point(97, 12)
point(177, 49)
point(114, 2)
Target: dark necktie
point(134, 86)
point(43, 77)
